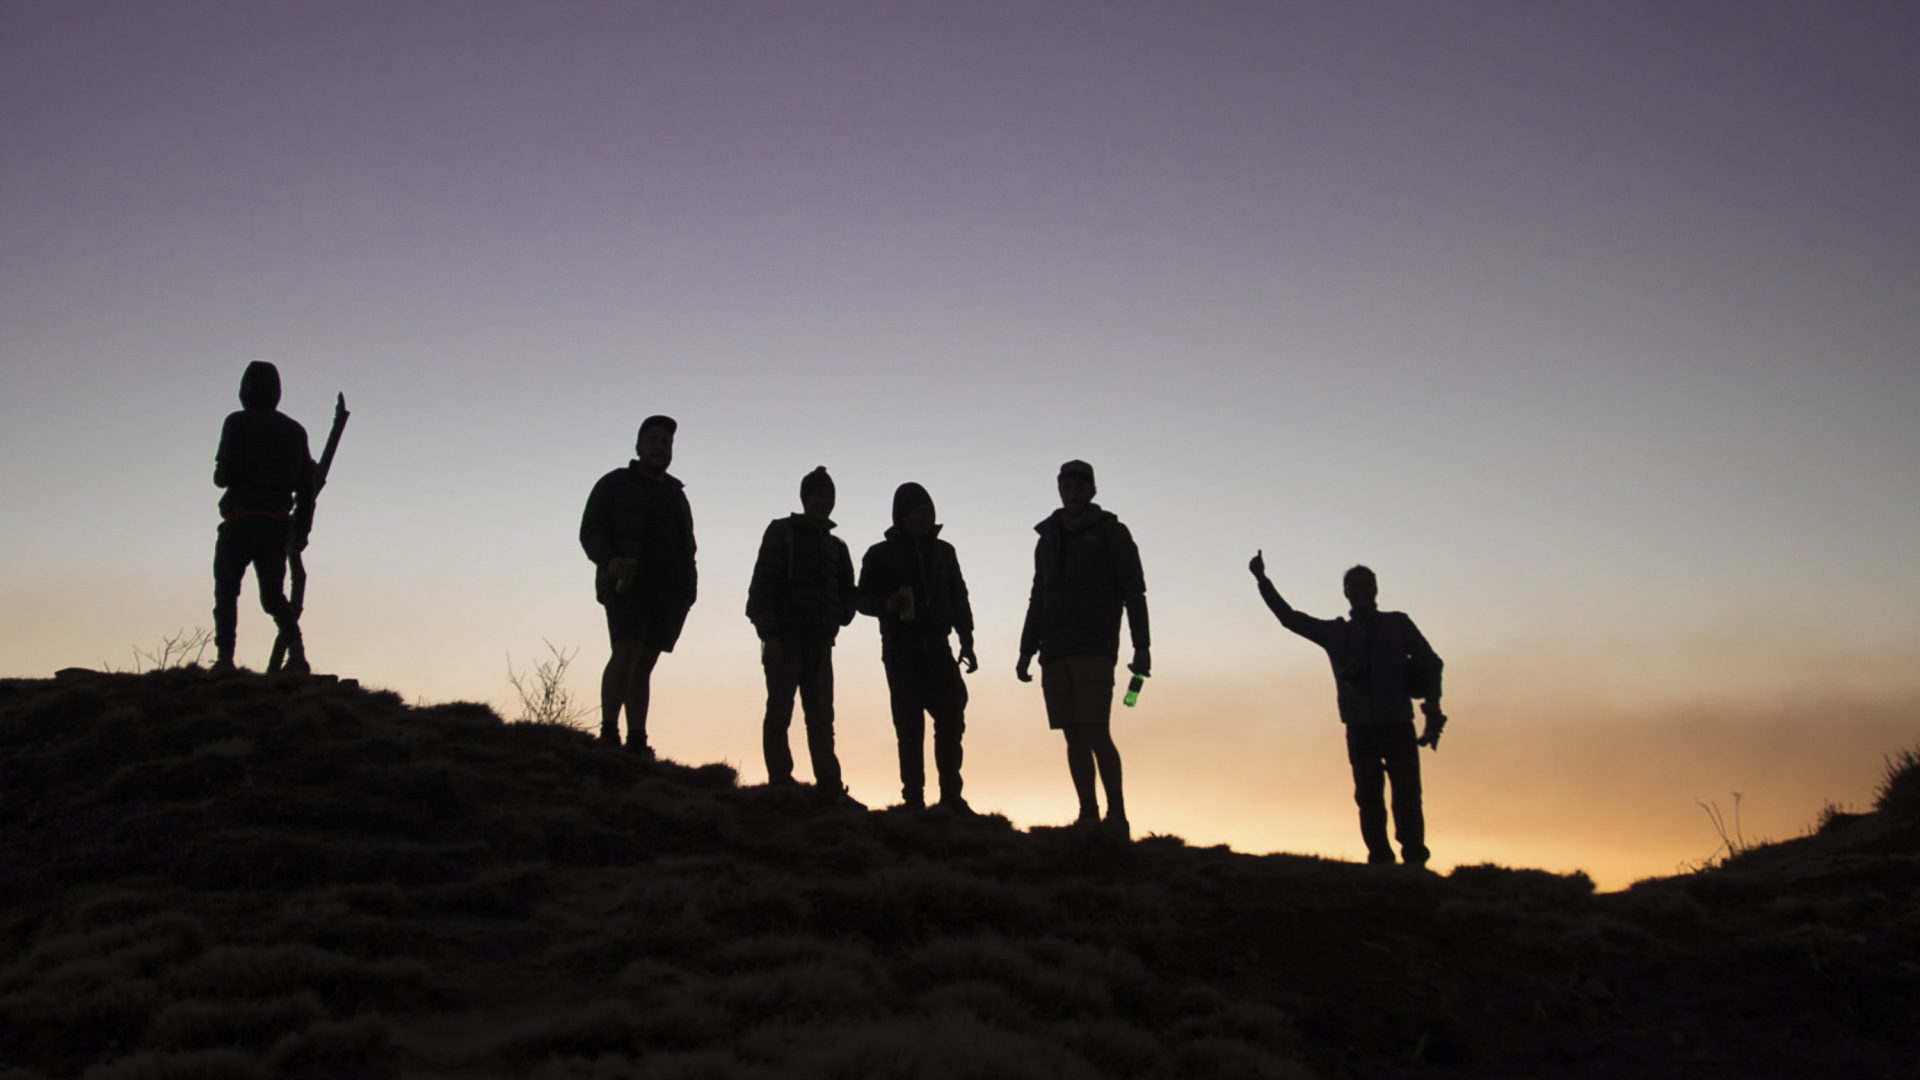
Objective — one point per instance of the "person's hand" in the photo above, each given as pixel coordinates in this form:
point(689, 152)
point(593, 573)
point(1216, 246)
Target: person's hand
point(621, 569)
point(1142, 662)
point(1258, 564)
point(771, 654)
point(898, 600)
point(1436, 723)
point(1020, 669)
point(971, 661)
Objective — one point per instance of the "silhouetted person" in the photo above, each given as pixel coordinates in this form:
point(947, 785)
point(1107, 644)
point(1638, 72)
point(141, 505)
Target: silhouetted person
point(801, 594)
point(1086, 570)
point(264, 464)
point(638, 530)
point(911, 582)
point(1380, 663)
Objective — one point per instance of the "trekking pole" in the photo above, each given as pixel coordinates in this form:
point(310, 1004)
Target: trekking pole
point(296, 564)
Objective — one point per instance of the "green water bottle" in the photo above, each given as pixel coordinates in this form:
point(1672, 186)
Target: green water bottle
point(1133, 690)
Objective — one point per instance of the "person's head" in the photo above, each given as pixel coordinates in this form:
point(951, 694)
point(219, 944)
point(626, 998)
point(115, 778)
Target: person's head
point(1076, 486)
point(913, 510)
point(1362, 588)
point(816, 493)
point(654, 445)
point(260, 386)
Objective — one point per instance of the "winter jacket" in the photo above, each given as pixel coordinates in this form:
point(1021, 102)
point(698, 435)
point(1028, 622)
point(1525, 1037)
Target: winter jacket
point(634, 514)
point(1373, 654)
point(931, 568)
point(1086, 570)
point(802, 588)
point(263, 460)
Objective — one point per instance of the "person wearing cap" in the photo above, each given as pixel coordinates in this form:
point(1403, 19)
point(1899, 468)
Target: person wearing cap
point(1381, 662)
point(911, 582)
point(801, 594)
point(638, 530)
point(265, 466)
point(1086, 571)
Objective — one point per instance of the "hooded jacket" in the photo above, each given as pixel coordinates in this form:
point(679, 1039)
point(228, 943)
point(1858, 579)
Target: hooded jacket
point(263, 460)
point(802, 586)
point(634, 514)
point(931, 568)
point(1086, 570)
point(1372, 653)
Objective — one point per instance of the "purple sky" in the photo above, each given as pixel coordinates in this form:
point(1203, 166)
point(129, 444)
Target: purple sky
point(1591, 326)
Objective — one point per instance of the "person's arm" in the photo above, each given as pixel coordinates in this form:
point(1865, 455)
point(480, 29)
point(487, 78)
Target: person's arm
point(872, 590)
point(962, 613)
point(1422, 654)
point(764, 587)
point(1132, 585)
point(230, 443)
point(849, 597)
point(693, 562)
point(596, 524)
point(1030, 629)
point(1314, 630)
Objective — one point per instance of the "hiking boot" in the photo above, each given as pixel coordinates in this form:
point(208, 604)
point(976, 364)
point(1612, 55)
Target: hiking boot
point(913, 800)
point(838, 799)
point(610, 737)
point(223, 664)
point(1116, 828)
point(955, 805)
point(1089, 819)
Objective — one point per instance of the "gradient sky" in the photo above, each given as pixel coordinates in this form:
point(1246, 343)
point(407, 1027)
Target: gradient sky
point(1592, 327)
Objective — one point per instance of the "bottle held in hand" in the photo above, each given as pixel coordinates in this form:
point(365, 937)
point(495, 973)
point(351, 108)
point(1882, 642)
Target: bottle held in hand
point(1134, 687)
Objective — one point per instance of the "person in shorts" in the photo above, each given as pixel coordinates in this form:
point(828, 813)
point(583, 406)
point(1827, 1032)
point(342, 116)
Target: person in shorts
point(638, 530)
point(1086, 571)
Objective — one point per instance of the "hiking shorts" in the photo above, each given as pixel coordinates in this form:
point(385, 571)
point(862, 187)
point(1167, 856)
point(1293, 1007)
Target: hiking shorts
point(657, 626)
point(1078, 690)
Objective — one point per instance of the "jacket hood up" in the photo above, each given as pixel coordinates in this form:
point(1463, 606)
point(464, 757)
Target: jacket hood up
point(260, 386)
point(905, 498)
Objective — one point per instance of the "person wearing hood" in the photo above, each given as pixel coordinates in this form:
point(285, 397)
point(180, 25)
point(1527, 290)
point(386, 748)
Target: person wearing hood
point(264, 464)
point(911, 582)
point(638, 530)
point(1086, 571)
point(801, 594)
point(1381, 662)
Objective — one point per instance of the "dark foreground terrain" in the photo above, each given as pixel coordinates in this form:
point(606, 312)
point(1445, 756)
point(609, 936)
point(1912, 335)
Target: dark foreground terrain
point(242, 876)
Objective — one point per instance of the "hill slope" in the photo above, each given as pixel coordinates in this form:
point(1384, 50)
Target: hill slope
point(244, 877)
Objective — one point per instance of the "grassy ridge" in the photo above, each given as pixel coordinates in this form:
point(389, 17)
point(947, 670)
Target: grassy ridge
point(252, 877)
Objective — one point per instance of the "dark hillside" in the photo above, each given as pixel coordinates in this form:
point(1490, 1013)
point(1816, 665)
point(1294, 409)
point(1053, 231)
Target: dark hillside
point(241, 876)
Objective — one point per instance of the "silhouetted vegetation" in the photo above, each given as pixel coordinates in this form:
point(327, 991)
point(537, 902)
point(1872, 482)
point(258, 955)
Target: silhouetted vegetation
point(251, 876)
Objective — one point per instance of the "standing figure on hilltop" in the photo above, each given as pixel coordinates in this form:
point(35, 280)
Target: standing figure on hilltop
point(911, 582)
point(264, 463)
point(1380, 663)
point(801, 594)
point(1086, 570)
point(638, 530)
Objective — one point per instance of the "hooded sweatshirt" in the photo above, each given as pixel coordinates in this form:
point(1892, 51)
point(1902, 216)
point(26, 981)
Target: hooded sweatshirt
point(1086, 570)
point(930, 567)
point(802, 586)
point(263, 460)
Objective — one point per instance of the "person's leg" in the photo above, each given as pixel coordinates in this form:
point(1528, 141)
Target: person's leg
point(947, 704)
point(270, 574)
point(816, 700)
point(1369, 791)
point(613, 688)
point(639, 695)
point(1057, 687)
point(1093, 708)
point(1402, 756)
point(230, 559)
point(909, 728)
point(1107, 756)
point(782, 679)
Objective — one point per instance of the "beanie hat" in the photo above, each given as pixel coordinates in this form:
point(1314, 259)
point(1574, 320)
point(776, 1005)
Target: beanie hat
point(815, 481)
point(1076, 467)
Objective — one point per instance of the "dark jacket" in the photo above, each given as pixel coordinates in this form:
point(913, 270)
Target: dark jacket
point(931, 568)
point(802, 587)
point(263, 460)
point(1085, 571)
point(1373, 654)
point(633, 514)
